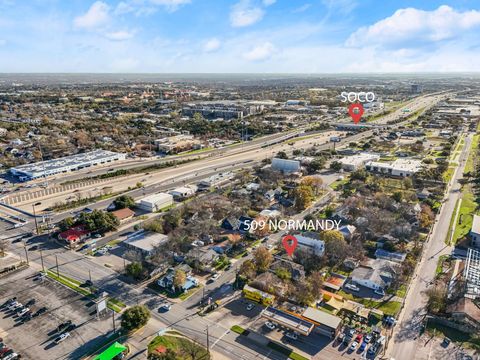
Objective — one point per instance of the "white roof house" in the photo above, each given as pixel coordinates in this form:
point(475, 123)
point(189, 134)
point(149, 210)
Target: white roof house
point(155, 202)
point(399, 167)
point(145, 241)
point(354, 162)
point(315, 246)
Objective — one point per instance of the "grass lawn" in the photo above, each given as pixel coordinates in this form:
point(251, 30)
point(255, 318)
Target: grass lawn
point(474, 145)
point(338, 183)
point(400, 292)
point(177, 343)
point(468, 207)
point(387, 307)
point(447, 175)
point(239, 330)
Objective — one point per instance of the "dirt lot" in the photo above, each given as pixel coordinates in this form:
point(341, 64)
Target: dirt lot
point(35, 339)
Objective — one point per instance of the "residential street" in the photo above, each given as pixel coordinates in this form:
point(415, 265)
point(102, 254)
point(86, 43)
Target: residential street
point(405, 334)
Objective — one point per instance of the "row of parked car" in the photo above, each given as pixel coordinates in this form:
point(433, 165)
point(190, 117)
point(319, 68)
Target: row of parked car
point(22, 312)
point(6, 353)
point(362, 341)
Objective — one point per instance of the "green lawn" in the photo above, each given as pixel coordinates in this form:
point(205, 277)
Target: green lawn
point(474, 146)
point(338, 183)
point(388, 307)
point(178, 344)
point(239, 330)
point(468, 207)
point(439, 268)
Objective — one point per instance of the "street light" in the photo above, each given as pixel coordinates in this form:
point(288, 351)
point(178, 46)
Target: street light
point(35, 215)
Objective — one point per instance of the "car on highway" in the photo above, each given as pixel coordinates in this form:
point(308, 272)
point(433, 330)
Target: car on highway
point(62, 337)
point(270, 325)
point(292, 335)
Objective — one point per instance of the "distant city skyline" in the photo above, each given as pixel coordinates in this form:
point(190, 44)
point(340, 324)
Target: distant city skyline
point(241, 36)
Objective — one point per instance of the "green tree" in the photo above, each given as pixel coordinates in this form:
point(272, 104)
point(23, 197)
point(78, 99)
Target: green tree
point(66, 223)
point(169, 354)
point(304, 196)
point(336, 248)
point(124, 201)
point(135, 317)
point(262, 258)
point(336, 165)
point(248, 269)
point(135, 270)
point(282, 155)
point(316, 165)
point(397, 196)
point(98, 221)
point(179, 278)
point(283, 273)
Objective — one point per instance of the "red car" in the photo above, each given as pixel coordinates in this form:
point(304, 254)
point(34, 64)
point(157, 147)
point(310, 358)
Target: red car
point(358, 339)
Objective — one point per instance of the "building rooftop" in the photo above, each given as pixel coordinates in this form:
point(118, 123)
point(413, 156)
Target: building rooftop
point(472, 274)
point(476, 224)
point(156, 198)
point(322, 317)
point(145, 240)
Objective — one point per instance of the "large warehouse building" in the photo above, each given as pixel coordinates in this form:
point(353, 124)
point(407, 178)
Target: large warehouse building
point(155, 202)
point(66, 164)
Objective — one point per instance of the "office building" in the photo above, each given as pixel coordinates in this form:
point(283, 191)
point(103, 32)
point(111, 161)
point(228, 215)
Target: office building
point(155, 202)
point(399, 167)
point(285, 166)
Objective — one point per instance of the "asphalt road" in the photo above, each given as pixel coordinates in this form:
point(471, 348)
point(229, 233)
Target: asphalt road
point(404, 339)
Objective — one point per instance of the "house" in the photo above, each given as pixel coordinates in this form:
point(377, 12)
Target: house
point(242, 224)
point(297, 271)
point(124, 215)
point(390, 255)
point(377, 274)
point(167, 281)
point(272, 195)
point(74, 235)
point(358, 161)
point(475, 232)
point(347, 231)
point(308, 243)
point(145, 242)
point(466, 312)
point(268, 213)
point(205, 257)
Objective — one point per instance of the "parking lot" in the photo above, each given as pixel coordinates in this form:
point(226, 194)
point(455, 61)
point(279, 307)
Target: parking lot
point(35, 339)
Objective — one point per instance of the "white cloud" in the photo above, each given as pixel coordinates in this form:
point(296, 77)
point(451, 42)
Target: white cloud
point(97, 15)
point(212, 45)
point(268, 2)
point(302, 8)
point(260, 52)
point(244, 14)
point(415, 26)
point(342, 6)
point(120, 35)
point(148, 7)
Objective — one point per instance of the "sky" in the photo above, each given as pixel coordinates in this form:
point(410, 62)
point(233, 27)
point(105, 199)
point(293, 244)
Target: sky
point(239, 36)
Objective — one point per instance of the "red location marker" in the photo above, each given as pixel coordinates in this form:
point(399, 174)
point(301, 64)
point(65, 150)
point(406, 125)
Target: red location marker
point(356, 112)
point(290, 243)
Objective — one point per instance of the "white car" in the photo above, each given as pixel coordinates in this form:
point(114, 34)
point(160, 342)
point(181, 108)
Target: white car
point(23, 312)
point(62, 337)
point(354, 346)
point(11, 356)
point(292, 335)
point(215, 276)
point(250, 307)
point(270, 325)
point(352, 287)
point(15, 306)
point(166, 307)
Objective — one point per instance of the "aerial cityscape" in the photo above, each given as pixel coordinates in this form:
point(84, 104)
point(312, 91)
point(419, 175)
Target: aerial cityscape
point(245, 179)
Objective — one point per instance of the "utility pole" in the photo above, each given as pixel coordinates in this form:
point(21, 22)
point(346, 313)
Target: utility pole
point(41, 259)
point(113, 320)
point(208, 342)
point(35, 216)
point(26, 253)
point(56, 260)
point(89, 275)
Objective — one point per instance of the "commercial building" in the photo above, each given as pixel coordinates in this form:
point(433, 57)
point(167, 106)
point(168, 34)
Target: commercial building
point(399, 167)
point(74, 235)
point(354, 162)
point(288, 320)
point(285, 166)
point(177, 143)
point(325, 323)
point(145, 242)
point(183, 192)
point(65, 164)
point(216, 180)
point(226, 109)
point(259, 296)
point(472, 275)
point(155, 202)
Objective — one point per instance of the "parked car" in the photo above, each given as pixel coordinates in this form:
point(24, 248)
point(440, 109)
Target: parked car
point(270, 325)
point(23, 311)
point(354, 346)
point(61, 328)
point(62, 337)
point(292, 335)
point(250, 307)
point(367, 338)
point(363, 346)
point(215, 276)
point(40, 311)
point(352, 287)
point(10, 356)
point(30, 302)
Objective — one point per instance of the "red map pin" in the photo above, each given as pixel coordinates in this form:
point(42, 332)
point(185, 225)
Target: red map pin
point(356, 112)
point(290, 243)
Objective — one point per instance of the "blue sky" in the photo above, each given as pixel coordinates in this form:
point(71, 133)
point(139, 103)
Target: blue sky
point(283, 36)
